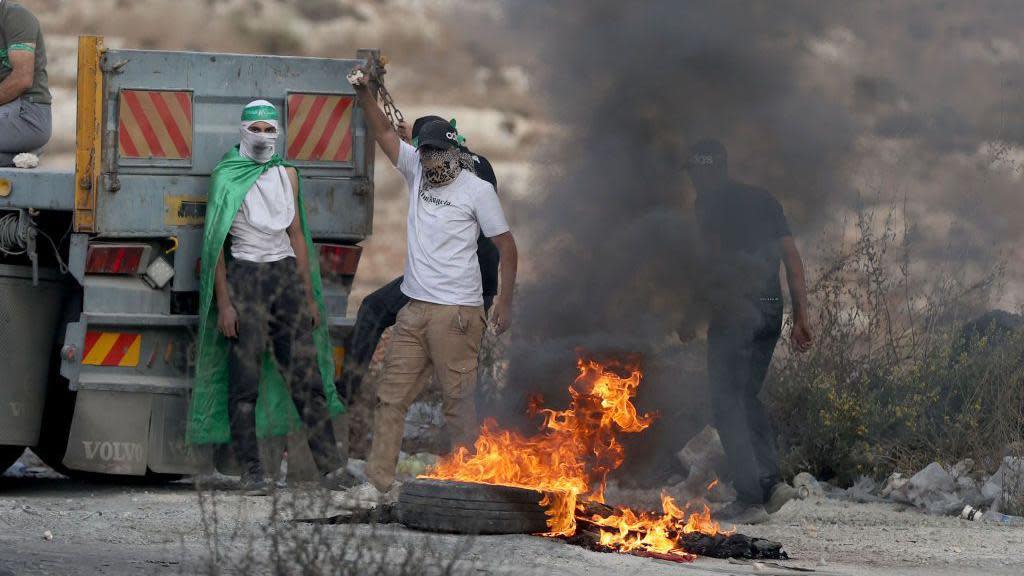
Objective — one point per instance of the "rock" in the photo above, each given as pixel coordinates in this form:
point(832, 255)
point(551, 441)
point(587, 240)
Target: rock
point(961, 468)
point(781, 494)
point(807, 486)
point(26, 160)
point(47, 535)
point(702, 458)
point(894, 482)
point(703, 452)
point(933, 490)
point(1006, 486)
point(969, 491)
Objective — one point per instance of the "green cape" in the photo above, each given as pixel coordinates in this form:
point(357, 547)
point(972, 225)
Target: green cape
point(275, 413)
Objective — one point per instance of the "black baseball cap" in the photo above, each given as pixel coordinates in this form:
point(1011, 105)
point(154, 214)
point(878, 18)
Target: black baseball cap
point(437, 133)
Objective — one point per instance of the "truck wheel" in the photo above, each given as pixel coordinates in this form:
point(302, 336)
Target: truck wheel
point(467, 508)
point(9, 455)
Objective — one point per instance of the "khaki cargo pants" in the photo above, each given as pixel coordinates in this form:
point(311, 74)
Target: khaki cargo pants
point(445, 338)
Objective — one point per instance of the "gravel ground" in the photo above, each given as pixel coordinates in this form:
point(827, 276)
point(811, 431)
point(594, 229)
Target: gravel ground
point(123, 529)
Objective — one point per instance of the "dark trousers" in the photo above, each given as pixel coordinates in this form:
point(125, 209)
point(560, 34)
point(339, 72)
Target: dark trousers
point(272, 313)
point(377, 312)
point(740, 348)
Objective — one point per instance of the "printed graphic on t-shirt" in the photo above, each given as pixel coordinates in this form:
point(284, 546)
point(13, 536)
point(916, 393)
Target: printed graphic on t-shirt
point(433, 199)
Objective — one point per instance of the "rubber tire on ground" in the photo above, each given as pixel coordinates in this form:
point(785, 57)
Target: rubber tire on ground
point(467, 508)
point(9, 455)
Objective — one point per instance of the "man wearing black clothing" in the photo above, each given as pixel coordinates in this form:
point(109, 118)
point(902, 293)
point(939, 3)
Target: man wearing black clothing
point(379, 310)
point(747, 237)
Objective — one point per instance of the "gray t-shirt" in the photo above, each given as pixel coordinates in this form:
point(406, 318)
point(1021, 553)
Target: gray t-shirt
point(441, 264)
point(20, 31)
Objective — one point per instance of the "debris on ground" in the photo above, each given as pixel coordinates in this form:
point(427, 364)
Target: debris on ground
point(807, 486)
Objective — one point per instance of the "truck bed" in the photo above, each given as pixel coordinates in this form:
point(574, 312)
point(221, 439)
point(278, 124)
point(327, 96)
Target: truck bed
point(39, 188)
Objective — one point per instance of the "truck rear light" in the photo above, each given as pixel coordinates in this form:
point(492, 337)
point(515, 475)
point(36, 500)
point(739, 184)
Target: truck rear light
point(127, 259)
point(338, 260)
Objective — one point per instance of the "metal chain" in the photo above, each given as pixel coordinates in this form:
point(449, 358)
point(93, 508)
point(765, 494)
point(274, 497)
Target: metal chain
point(388, 104)
point(394, 115)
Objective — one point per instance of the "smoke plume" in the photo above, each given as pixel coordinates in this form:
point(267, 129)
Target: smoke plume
point(828, 105)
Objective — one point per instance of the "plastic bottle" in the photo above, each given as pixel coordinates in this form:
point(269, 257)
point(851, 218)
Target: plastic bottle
point(998, 518)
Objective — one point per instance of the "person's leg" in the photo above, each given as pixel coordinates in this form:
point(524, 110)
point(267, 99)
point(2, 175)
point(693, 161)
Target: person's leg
point(762, 434)
point(291, 335)
point(406, 358)
point(728, 371)
point(454, 336)
point(24, 127)
point(245, 360)
point(376, 313)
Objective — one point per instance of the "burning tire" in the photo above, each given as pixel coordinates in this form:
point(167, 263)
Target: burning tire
point(467, 508)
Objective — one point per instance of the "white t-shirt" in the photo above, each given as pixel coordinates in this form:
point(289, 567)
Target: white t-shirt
point(259, 232)
point(441, 265)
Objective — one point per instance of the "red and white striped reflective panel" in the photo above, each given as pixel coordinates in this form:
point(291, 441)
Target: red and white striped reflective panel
point(319, 128)
point(155, 124)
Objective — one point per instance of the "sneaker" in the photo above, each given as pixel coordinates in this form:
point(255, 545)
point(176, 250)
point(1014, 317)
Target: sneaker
point(340, 479)
point(740, 513)
point(254, 485)
point(781, 493)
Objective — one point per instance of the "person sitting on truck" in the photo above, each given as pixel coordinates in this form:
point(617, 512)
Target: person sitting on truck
point(379, 310)
point(264, 339)
point(25, 118)
point(443, 324)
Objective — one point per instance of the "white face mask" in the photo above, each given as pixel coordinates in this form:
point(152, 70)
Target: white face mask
point(258, 146)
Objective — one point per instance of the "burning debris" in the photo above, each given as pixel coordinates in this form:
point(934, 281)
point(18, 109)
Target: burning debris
point(569, 461)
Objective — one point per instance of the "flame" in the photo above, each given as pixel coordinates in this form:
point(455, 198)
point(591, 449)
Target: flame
point(713, 484)
point(570, 459)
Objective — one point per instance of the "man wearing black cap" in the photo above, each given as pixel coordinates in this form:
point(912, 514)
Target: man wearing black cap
point(747, 237)
point(442, 325)
point(379, 310)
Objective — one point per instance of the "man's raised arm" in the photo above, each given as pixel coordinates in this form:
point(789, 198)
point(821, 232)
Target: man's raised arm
point(380, 128)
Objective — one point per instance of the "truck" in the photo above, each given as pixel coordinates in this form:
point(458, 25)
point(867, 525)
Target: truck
point(99, 267)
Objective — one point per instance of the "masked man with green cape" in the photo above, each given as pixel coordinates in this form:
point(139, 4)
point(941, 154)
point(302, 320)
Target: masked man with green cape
point(265, 364)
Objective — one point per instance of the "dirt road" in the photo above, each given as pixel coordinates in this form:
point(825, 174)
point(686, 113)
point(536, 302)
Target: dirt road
point(118, 529)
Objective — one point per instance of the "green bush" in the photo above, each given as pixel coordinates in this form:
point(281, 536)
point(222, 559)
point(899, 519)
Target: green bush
point(895, 381)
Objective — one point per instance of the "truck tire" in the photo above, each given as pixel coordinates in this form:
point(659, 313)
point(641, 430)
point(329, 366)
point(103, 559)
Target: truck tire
point(468, 508)
point(9, 455)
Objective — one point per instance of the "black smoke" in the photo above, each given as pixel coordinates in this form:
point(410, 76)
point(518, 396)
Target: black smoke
point(829, 105)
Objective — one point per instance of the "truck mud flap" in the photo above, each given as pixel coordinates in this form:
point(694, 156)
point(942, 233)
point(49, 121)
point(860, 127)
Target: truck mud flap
point(169, 453)
point(28, 323)
point(109, 433)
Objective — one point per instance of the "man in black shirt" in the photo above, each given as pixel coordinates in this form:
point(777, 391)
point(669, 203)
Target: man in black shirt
point(747, 237)
point(380, 309)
